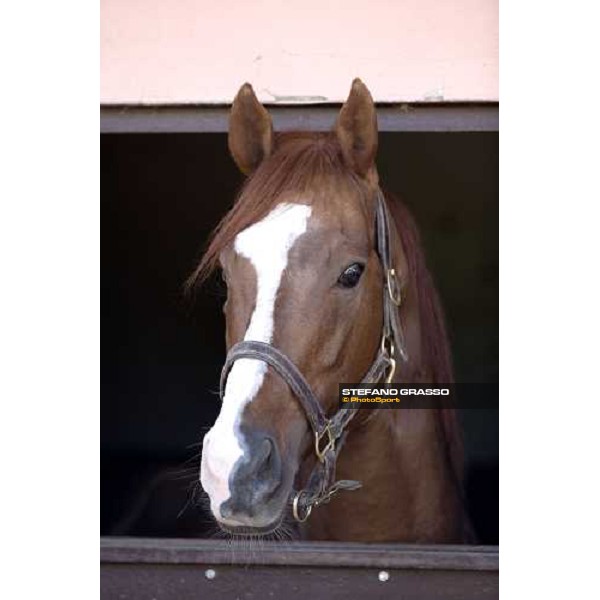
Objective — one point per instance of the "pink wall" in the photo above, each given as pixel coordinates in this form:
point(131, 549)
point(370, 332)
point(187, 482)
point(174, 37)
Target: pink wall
point(199, 51)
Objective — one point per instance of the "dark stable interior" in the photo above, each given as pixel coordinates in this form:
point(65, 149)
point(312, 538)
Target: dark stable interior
point(162, 194)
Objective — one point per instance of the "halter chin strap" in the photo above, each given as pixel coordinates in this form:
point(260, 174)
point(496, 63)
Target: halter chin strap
point(329, 434)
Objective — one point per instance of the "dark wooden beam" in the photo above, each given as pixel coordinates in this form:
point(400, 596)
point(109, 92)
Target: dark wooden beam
point(211, 569)
point(213, 119)
point(334, 554)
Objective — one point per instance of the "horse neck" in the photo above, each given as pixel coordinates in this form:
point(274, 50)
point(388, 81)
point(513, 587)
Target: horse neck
point(408, 490)
point(406, 460)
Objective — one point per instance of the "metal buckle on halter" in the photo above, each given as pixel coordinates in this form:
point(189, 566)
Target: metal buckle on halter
point(326, 497)
point(295, 503)
point(388, 348)
point(328, 446)
point(393, 287)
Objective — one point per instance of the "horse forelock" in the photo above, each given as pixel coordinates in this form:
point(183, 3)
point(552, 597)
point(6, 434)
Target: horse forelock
point(300, 163)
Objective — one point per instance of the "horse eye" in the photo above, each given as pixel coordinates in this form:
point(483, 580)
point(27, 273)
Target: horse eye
point(351, 275)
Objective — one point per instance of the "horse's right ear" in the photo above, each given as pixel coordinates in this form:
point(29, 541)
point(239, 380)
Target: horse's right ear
point(356, 129)
point(250, 130)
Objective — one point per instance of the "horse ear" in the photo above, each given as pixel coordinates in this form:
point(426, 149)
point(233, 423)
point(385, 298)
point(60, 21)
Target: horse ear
point(250, 130)
point(356, 129)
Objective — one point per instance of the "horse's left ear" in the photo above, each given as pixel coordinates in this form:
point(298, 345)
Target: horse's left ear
point(356, 128)
point(250, 130)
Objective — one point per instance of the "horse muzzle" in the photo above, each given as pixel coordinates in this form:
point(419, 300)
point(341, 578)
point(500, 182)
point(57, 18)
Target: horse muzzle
point(250, 496)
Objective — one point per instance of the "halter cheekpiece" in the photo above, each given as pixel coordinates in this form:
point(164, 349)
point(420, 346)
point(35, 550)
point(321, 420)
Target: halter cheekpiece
point(329, 434)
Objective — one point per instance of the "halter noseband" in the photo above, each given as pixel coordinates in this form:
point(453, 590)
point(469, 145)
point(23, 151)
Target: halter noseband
point(330, 433)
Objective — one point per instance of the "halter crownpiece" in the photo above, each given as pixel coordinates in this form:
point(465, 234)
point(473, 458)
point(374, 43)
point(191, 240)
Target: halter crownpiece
point(330, 433)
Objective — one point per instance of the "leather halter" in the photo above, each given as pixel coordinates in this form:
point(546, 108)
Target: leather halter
point(329, 434)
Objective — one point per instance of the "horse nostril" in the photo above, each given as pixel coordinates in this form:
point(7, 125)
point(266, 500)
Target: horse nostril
point(265, 466)
point(264, 460)
point(257, 480)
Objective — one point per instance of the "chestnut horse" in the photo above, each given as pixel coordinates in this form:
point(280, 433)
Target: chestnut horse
point(301, 253)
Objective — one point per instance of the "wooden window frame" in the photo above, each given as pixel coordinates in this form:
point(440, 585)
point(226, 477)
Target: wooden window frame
point(213, 119)
point(181, 569)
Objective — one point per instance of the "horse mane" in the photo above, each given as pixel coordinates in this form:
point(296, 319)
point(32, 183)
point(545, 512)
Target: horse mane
point(435, 345)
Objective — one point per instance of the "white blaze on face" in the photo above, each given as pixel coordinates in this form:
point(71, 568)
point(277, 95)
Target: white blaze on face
point(266, 245)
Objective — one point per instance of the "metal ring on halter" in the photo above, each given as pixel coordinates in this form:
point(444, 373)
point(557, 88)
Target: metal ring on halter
point(295, 508)
point(393, 288)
